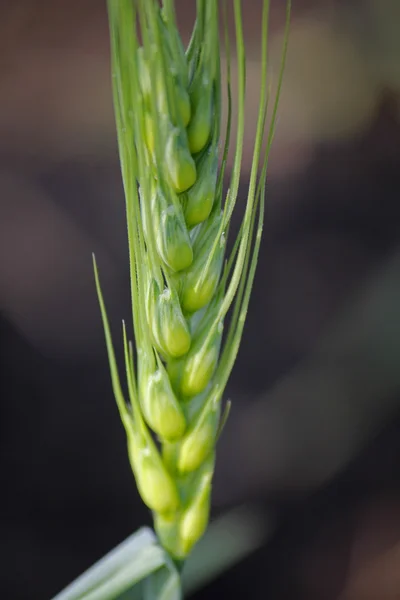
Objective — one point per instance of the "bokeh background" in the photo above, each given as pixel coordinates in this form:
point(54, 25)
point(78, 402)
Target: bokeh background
point(313, 435)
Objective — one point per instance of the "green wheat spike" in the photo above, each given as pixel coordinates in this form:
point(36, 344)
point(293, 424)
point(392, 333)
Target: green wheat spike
point(173, 152)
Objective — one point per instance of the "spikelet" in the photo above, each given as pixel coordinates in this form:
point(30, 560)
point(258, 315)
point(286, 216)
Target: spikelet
point(167, 103)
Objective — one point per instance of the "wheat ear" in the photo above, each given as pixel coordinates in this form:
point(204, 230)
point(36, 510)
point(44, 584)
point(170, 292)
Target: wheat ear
point(173, 154)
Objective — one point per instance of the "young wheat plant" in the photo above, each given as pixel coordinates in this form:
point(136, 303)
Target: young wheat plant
point(173, 153)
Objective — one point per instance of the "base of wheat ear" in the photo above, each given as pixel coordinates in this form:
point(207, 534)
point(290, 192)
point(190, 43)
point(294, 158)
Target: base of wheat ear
point(173, 152)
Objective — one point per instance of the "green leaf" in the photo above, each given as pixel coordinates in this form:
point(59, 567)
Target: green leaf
point(128, 564)
point(165, 584)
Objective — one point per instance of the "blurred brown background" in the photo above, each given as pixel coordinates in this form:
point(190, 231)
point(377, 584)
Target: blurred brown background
point(314, 428)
